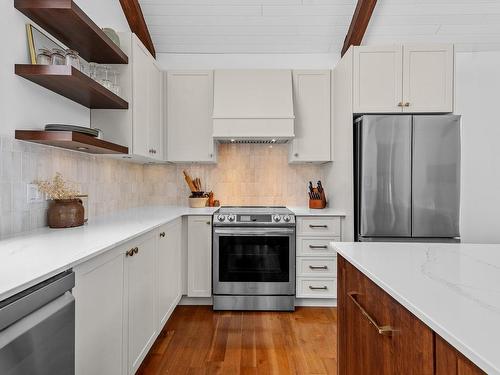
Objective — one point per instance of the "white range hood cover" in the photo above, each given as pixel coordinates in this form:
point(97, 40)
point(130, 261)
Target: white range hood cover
point(253, 105)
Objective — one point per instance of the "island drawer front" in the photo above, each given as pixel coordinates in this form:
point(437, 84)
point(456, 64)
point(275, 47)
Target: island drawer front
point(310, 287)
point(318, 226)
point(317, 267)
point(312, 247)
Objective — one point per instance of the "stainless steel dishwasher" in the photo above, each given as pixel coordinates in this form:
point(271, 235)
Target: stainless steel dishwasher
point(37, 329)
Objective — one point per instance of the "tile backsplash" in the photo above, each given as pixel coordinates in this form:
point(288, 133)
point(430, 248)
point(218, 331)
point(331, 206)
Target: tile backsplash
point(244, 175)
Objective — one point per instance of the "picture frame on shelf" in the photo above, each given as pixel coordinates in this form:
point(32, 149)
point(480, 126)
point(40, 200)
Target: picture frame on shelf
point(37, 40)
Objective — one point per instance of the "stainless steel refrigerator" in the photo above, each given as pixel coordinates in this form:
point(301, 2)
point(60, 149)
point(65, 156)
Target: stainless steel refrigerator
point(407, 177)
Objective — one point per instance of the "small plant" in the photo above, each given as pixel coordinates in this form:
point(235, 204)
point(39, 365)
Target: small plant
point(57, 188)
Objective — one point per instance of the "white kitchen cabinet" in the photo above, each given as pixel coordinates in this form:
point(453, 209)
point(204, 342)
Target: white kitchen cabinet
point(199, 256)
point(169, 269)
point(408, 78)
point(311, 91)
point(189, 117)
point(141, 299)
point(316, 258)
point(378, 79)
point(141, 127)
point(99, 315)
point(428, 77)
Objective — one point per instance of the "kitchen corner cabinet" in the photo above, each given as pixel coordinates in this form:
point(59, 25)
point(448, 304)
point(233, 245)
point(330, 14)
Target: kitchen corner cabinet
point(189, 103)
point(412, 78)
point(312, 108)
point(199, 256)
point(376, 335)
point(141, 127)
point(169, 269)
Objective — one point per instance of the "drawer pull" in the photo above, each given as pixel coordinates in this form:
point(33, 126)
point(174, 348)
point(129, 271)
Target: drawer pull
point(382, 330)
point(318, 287)
point(317, 226)
point(318, 267)
point(318, 246)
point(162, 234)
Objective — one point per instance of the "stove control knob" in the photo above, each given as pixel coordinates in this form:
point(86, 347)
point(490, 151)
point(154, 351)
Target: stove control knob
point(221, 218)
point(276, 218)
point(231, 218)
point(287, 218)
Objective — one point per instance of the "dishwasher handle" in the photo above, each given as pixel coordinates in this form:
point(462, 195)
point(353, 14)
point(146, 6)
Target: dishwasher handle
point(24, 303)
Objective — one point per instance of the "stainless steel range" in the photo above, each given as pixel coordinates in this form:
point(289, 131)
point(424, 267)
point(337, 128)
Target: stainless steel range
point(254, 258)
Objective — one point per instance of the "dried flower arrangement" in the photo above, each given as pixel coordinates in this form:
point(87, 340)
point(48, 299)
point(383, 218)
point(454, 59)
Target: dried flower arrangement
point(57, 188)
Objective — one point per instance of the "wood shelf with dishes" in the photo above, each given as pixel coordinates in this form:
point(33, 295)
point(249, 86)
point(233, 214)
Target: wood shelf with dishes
point(71, 140)
point(65, 21)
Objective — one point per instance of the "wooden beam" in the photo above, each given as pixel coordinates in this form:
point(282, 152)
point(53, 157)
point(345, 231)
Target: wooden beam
point(359, 23)
point(135, 19)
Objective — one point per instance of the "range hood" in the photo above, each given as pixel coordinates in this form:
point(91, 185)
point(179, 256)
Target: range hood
point(253, 106)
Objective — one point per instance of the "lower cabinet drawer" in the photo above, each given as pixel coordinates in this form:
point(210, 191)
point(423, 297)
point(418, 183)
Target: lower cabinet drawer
point(313, 247)
point(317, 267)
point(316, 287)
point(318, 226)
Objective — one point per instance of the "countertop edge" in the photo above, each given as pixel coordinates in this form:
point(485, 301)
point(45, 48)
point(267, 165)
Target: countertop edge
point(482, 363)
point(183, 211)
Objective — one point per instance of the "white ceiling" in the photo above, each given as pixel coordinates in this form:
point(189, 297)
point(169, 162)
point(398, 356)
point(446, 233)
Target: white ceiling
point(315, 26)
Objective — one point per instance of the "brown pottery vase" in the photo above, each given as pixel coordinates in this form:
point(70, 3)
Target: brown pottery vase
point(66, 213)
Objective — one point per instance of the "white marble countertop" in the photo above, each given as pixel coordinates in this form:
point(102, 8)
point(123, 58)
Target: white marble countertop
point(453, 288)
point(306, 211)
point(31, 257)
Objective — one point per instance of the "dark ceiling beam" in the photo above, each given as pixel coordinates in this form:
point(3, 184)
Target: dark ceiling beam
point(135, 19)
point(359, 23)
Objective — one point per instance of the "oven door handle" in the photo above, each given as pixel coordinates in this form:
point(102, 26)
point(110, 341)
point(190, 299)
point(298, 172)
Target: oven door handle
point(254, 231)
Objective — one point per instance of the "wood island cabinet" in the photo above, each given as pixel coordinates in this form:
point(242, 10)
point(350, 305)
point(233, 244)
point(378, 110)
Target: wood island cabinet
point(376, 335)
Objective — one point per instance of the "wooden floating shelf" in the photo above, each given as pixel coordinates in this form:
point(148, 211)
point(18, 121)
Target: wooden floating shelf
point(68, 23)
point(73, 84)
point(71, 141)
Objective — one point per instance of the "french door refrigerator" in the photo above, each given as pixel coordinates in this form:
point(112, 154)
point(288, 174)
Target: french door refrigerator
point(407, 177)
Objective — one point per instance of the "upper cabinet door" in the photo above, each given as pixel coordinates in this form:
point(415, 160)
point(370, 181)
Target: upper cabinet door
point(155, 123)
point(141, 98)
point(189, 116)
point(311, 90)
point(428, 78)
point(378, 79)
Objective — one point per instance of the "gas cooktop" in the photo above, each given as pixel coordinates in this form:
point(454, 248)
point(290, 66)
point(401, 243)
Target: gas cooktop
point(254, 215)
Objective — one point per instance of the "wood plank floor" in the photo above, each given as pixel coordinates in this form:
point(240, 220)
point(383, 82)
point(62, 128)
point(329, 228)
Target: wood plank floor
point(197, 340)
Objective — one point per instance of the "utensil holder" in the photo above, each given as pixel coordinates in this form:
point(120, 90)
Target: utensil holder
point(318, 203)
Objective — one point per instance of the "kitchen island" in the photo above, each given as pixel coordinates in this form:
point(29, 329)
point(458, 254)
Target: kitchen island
point(418, 308)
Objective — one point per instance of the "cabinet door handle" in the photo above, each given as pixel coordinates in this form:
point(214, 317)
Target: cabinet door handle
point(407, 104)
point(318, 247)
point(400, 104)
point(130, 253)
point(318, 287)
point(136, 250)
point(162, 234)
point(317, 226)
point(382, 330)
point(208, 223)
point(318, 267)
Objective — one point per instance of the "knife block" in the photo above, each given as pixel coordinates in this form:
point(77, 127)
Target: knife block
point(318, 203)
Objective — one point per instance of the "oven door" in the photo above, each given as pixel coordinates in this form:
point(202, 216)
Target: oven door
point(254, 261)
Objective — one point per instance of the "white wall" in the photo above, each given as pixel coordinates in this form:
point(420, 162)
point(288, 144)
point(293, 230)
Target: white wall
point(247, 61)
point(25, 105)
point(477, 96)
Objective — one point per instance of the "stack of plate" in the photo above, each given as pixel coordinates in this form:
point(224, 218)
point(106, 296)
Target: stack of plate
point(72, 128)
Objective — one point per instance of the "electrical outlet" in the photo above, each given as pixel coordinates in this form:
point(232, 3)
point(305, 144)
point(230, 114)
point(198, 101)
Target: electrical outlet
point(33, 195)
